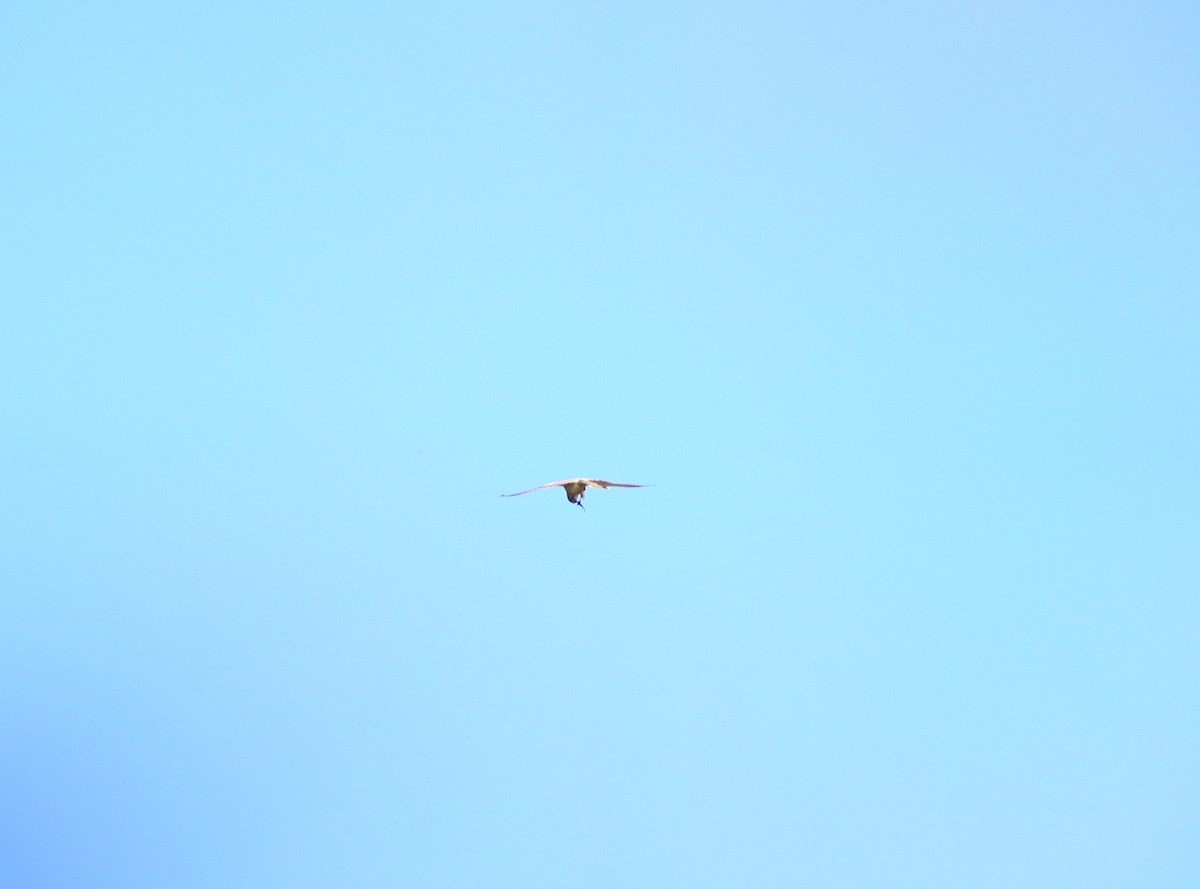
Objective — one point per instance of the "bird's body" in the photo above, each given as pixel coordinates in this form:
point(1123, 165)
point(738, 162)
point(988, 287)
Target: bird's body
point(577, 487)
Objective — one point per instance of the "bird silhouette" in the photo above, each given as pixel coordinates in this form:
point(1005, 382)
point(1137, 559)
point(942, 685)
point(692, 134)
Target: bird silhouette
point(577, 487)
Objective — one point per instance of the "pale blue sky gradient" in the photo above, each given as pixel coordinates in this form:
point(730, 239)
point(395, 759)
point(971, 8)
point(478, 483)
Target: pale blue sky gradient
point(896, 305)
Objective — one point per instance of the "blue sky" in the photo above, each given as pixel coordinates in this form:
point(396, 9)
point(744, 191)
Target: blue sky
point(894, 304)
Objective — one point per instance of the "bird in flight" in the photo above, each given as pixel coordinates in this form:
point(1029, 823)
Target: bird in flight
point(577, 487)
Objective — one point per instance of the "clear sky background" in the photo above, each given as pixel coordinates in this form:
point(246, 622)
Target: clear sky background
point(896, 305)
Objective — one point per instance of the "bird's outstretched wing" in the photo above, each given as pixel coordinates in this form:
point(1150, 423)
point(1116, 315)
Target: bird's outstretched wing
point(603, 483)
point(539, 487)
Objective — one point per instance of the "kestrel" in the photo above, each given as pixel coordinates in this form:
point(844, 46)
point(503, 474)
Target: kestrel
point(577, 487)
